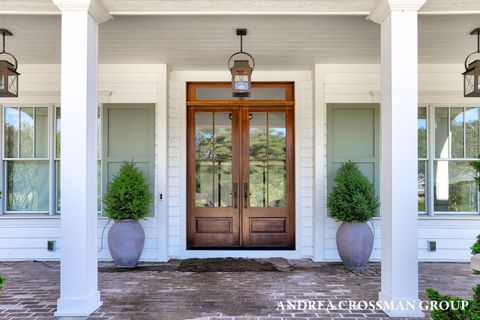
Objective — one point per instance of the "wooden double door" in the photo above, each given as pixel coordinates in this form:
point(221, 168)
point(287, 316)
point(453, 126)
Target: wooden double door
point(240, 177)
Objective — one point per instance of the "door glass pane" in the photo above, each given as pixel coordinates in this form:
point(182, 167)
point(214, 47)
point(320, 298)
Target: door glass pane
point(455, 186)
point(26, 189)
point(223, 136)
point(222, 132)
point(26, 132)
point(41, 132)
point(258, 184)
point(471, 132)
point(12, 128)
point(441, 132)
point(258, 136)
point(277, 136)
point(422, 132)
point(223, 184)
point(456, 128)
point(267, 142)
point(422, 185)
point(213, 168)
point(204, 184)
point(204, 135)
point(277, 186)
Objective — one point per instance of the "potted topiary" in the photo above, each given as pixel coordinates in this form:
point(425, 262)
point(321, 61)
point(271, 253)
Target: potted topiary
point(475, 259)
point(353, 202)
point(127, 200)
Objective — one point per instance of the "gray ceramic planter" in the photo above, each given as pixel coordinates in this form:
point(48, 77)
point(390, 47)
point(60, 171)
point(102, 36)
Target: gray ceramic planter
point(126, 239)
point(354, 244)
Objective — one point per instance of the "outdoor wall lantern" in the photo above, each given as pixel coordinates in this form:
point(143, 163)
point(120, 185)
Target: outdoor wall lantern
point(241, 70)
point(471, 76)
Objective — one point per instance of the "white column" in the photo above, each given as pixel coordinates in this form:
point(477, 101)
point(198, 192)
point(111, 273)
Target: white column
point(79, 295)
point(398, 173)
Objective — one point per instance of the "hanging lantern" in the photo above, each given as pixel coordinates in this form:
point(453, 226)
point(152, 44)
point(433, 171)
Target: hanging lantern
point(8, 71)
point(471, 76)
point(241, 70)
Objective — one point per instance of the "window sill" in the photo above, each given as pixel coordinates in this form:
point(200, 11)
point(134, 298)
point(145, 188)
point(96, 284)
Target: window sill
point(450, 217)
point(7, 216)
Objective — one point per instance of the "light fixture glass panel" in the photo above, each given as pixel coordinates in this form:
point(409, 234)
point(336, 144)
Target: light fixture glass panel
point(2, 82)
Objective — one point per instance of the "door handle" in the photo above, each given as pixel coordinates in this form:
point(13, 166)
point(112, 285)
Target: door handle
point(246, 194)
point(235, 195)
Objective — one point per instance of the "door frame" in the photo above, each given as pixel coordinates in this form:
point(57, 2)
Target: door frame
point(236, 105)
point(305, 216)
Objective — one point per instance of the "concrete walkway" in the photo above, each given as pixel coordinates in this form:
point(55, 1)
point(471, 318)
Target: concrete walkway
point(158, 291)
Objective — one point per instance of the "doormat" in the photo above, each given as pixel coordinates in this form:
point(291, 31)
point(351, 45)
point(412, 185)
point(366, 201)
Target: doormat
point(227, 265)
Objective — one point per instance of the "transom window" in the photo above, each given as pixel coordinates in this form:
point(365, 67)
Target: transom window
point(448, 139)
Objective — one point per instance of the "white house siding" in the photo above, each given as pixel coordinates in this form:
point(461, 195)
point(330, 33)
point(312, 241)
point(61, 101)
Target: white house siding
point(438, 84)
point(304, 150)
point(25, 237)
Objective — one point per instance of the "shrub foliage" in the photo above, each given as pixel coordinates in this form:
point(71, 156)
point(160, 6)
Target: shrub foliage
point(353, 196)
point(128, 195)
point(453, 311)
point(1, 282)
point(476, 246)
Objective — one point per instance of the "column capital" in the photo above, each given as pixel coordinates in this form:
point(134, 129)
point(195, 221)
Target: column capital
point(95, 7)
point(384, 7)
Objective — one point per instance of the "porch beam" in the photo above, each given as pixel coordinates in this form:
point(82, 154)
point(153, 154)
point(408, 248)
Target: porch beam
point(398, 168)
point(79, 295)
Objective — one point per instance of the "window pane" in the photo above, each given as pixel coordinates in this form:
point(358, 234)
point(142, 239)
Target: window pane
point(12, 128)
point(226, 93)
point(456, 129)
point(58, 130)
point(99, 135)
point(26, 133)
point(422, 132)
point(471, 131)
point(455, 187)
point(41, 132)
point(441, 132)
point(422, 185)
point(99, 185)
point(27, 186)
point(57, 184)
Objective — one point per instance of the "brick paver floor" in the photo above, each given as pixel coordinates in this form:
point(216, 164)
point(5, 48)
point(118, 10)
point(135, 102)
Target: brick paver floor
point(161, 292)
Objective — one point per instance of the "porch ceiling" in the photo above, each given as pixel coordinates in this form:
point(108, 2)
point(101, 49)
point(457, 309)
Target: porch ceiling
point(201, 42)
point(116, 7)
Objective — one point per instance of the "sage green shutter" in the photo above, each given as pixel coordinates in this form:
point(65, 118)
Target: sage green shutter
point(353, 135)
point(128, 134)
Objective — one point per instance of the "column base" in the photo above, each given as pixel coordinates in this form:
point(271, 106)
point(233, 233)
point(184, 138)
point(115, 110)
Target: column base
point(78, 307)
point(400, 308)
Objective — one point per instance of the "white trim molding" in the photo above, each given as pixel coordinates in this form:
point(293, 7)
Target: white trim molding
point(384, 7)
point(95, 7)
